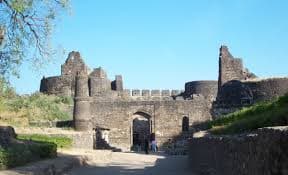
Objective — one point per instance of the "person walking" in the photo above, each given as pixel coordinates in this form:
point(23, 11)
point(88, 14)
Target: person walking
point(154, 146)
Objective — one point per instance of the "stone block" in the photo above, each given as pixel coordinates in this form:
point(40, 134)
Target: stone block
point(165, 93)
point(145, 93)
point(127, 92)
point(136, 92)
point(175, 92)
point(155, 93)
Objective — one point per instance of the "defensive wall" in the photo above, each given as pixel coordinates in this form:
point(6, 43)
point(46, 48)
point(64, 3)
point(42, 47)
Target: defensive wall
point(238, 87)
point(263, 152)
point(112, 112)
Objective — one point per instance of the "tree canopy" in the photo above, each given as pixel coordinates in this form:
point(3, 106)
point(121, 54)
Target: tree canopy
point(25, 32)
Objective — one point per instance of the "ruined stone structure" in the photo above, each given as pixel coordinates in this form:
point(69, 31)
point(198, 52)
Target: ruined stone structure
point(237, 87)
point(65, 83)
point(123, 119)
point(231, 68)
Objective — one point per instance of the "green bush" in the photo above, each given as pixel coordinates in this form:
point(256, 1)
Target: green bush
point(18, 154)
point(60, 141)
point(5, 89)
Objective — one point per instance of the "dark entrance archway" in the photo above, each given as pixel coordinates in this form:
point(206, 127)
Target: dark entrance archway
point(141, 130)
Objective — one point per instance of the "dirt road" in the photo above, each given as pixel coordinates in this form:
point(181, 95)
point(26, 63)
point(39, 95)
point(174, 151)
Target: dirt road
point(133, 163)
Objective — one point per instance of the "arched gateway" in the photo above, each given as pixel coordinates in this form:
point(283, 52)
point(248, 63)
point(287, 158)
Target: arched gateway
point(124, 122)
point(140, 130)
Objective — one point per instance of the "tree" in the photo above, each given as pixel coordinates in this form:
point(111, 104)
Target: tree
point(25, 32)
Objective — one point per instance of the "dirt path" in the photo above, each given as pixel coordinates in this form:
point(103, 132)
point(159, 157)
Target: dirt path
point(132, 163)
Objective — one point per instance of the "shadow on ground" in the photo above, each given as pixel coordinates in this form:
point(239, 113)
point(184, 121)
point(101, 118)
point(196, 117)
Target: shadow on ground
point(134, 163)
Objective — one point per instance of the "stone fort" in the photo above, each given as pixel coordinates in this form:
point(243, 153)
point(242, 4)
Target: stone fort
point(122, 119)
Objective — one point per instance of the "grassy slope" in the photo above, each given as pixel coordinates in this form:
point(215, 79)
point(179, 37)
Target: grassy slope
point(61, 142)
point(274, 113)
point(20, 110)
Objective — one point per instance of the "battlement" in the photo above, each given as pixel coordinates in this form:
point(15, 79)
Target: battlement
point(152, 93)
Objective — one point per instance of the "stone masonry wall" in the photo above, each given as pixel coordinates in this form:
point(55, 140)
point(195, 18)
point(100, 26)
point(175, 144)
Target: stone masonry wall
point(59, 85)
point(206, 88)
point(65, 83)
point(165, 116)
point(267, 89)
point(231, 68)
point(263, 152)
point(236, 94)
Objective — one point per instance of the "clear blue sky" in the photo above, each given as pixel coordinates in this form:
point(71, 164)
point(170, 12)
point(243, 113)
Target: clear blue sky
point(161, 44)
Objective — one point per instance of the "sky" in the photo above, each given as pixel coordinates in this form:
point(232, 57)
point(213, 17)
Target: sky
point(161, 44)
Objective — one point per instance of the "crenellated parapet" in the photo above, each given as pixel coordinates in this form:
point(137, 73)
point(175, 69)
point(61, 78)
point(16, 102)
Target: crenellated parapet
point(152, 93)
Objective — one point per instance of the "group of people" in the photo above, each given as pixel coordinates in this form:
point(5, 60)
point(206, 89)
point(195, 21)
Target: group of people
point(150, 144)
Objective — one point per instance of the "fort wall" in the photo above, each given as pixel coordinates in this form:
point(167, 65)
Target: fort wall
point(109, 109)
point(258, 153)
point(166, 118)
point(231, 68)
point(152, 93)
point(237, 87)
point(237, 94)
point(206, 88)
point(267, 89)
point(58, 85)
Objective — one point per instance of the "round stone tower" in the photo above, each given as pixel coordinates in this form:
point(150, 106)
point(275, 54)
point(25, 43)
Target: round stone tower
point(82, 114)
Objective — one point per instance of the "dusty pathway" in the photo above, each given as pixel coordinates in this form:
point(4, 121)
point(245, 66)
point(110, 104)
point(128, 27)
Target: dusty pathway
point(132, 163)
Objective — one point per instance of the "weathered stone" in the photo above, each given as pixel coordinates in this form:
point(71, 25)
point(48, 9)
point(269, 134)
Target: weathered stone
point(98, 82)
point(155, 93)
point(206, 88)
point(175, 92)
point(136, 92)
point(262, 152)
point(117, 84)
point(165, 93)
point(103, 106)
point(146, 93)
point(7, 134)
point(231, 68)
point(65, 84)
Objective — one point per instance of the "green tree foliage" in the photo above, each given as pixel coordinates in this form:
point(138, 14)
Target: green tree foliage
point(25, 30)
point(6, 91)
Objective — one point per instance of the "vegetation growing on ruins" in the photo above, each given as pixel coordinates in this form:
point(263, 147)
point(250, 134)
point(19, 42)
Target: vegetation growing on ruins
point(21, 110)
point(61, 142)
point(264, 114)
point(17, 154)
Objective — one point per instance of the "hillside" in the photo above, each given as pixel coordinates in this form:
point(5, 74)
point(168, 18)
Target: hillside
point(265, 114)
point(23, 110)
